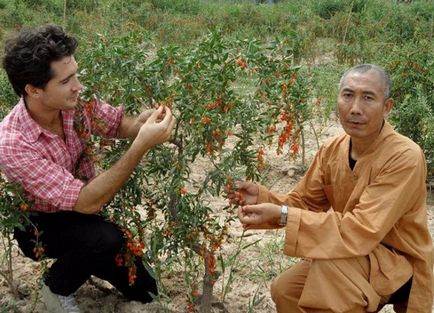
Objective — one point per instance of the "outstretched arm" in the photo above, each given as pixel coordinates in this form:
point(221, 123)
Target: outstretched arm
point(102, 188)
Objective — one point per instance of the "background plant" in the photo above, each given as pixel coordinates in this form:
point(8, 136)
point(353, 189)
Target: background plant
point(214, 123)
point(240, 77)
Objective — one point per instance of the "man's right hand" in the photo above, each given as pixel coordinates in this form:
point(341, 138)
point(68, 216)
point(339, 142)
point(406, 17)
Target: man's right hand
point(244, 193)
point(157, 128)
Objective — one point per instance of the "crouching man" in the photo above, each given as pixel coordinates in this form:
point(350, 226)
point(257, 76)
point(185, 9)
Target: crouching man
point(358, 218)
point(41, 149)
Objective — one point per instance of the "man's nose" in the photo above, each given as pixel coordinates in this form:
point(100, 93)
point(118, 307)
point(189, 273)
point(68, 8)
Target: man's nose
point(77, 85)
point(356, 106)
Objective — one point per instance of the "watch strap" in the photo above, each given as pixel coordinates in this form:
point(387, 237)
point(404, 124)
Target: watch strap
point(283, 215)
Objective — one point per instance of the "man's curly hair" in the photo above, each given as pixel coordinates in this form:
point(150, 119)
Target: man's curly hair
point(28, 56)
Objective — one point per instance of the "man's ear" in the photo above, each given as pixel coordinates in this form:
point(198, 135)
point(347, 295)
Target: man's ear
point(32, 91)
point(388, 105)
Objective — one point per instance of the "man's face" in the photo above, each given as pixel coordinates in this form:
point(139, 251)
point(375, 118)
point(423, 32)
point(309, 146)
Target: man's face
point(361, 104)
point(62, 91)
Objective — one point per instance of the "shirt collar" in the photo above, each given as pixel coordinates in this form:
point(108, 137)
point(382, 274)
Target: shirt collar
point(31, 129)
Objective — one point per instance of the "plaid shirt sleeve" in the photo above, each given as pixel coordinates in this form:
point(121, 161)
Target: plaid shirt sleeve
point(41, 178)
point(107, 119)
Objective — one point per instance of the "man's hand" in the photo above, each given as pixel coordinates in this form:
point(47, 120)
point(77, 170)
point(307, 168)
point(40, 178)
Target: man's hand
point(260, 216)
point(130, 126)
point(143, 117)
point(157, 128)
point(244, 193)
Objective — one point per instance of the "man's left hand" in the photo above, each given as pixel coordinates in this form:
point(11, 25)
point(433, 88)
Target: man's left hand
point(143, 117)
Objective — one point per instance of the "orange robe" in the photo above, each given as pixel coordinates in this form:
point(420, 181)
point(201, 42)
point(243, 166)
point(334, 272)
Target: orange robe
point(336, 212)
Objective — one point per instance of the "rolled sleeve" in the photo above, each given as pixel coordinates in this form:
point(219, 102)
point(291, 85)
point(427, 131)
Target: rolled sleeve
point(70, 195)
point(107, 119)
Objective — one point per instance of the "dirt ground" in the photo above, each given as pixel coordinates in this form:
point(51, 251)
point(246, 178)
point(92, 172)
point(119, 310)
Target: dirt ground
point(254, 271)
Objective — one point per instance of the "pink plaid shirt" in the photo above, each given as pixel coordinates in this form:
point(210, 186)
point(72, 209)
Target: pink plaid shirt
point(43, 163)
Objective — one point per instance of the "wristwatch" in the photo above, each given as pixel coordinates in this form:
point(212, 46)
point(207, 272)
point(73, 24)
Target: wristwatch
point(283, 215)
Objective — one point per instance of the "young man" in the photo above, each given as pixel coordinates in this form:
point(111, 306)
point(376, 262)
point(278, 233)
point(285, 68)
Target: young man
point(41, 150)
point(357, 218)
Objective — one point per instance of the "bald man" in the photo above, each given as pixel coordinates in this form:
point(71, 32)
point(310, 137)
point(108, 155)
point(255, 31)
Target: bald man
point(358, 217)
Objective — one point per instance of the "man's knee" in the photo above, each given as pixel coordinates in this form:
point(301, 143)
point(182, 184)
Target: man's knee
point(286, 288)
point(283, 295)
point(341, 285)
point(275, 290)
point(108, 239)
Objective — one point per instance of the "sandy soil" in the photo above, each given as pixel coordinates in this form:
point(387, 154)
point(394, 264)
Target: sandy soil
point(254, 270)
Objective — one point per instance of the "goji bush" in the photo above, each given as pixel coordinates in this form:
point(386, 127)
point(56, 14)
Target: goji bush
point(13, 214)
point(412, 69)
point(165, 209)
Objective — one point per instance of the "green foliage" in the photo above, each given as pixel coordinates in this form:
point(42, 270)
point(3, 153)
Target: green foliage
point(199, 84)
point(11, 205)
point(13, 214)
point(8, 97)
point(255, 301)
point(412, 71)
point(191, 7)
point(272, 262)
point(327, 9)
point(415, 119)
point(412, 67)
point(7, 307)
point(423, 9)
point(325, 79)
point(15, 14)
point(401, 26)
point(57, 6)
point(85, 5)
point(258, 77)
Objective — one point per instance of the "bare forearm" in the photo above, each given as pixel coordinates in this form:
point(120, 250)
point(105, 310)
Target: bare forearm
point(129, 127)
point(102, 188)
